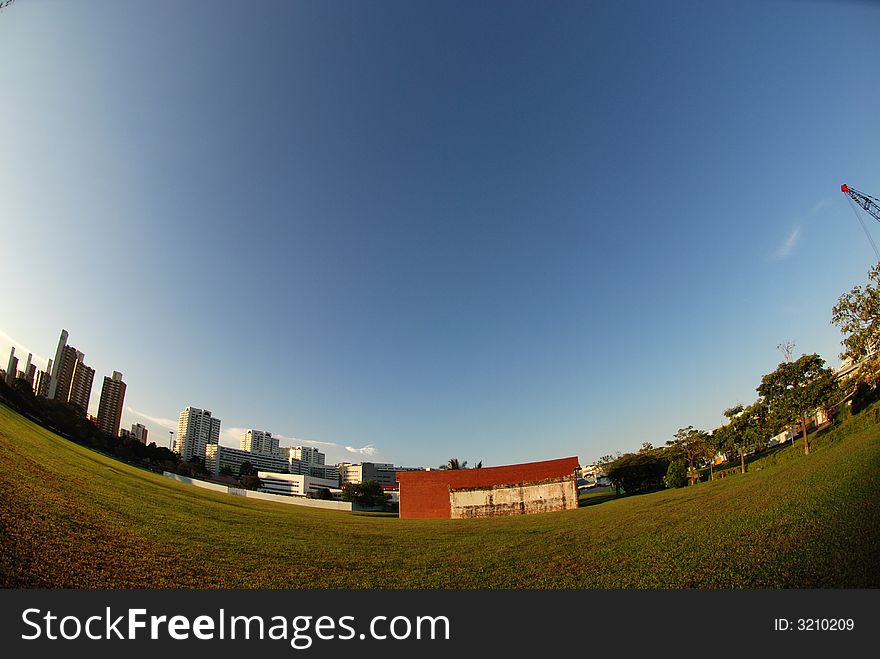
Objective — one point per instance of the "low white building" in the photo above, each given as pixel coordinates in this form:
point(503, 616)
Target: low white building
point(296, 485)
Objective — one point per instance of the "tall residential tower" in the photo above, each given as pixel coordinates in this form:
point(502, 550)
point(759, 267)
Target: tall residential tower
point(196, 429)
point(11, 367)
point(258, 441)
point(81, 380)
point(110, 407)
point(55, 371)
point(71, 380)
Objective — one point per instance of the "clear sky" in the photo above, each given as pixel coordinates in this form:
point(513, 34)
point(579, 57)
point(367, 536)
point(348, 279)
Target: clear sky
point(493, 231)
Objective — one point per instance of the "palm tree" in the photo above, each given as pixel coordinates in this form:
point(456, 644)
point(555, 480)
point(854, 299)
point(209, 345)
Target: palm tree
point(454, 464)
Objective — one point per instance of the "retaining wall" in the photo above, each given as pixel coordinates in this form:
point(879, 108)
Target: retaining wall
point(523, 499)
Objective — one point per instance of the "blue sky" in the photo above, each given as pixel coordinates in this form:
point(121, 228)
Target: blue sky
point(498, 231)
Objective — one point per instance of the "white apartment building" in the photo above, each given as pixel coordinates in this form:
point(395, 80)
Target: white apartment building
point(307, 454)
point(139, 432)
point(258, 441)
point(383, 473)
point(217, 457)
point(196, 430)
point(309, 461)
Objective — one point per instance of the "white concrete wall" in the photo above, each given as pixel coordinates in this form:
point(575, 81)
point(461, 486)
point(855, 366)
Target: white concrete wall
point(513, 500)
point(216, 487)
point(263, 496)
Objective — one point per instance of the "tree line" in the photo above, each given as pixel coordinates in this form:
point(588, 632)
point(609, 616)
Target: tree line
point(786, 399)
point(71, 422)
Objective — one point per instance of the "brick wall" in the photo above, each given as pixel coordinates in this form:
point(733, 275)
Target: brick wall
point(425, 494)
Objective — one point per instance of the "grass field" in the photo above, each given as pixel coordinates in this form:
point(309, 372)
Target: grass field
point(70, 517)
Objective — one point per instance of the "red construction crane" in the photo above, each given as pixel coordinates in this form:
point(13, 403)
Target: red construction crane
point(867, 202)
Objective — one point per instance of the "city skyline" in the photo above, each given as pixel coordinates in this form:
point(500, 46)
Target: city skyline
point(502, 236)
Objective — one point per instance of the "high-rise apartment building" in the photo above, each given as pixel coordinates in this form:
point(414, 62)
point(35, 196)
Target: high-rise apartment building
point(55, 370)
point(42, 380)
point(310, 461)
point(71, 379)
point(30, 370)
point(110, 406)
point(383, 473)
point(258, 441)
point(139, 432)
point(59, 388)
point(196, 429)
point(81, 384)
point(307, 454)
point(11, 367)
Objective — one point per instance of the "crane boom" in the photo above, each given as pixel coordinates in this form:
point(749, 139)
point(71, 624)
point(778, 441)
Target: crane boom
point(867, 202)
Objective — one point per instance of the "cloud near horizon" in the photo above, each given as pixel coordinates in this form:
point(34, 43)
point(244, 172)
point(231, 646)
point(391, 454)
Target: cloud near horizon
point(168, 424)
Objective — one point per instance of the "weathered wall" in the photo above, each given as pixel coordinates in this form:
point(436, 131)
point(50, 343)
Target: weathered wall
point(523, 499)
point(425, 494)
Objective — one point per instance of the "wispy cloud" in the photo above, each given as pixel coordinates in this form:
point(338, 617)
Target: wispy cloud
point(787, 247)
point(168, 424)
point(821, 204)
point(364, 450)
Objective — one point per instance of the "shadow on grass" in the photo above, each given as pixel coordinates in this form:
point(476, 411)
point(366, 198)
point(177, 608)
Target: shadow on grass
point(367, 513)
point(596, 496)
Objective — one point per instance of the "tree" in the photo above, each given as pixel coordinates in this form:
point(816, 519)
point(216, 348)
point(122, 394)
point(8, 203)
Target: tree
point(637, 472)
point(787, 349)
point(246, 469)
point(743, 430)
point(797, 389)
point(749, 428)
point(323, 494)
point(23, 389)
point(857, 315)
point(454, 464)
point(368, 494)
point(251, 482)
point(676, 474)
point(690, 444)
point(711, 446)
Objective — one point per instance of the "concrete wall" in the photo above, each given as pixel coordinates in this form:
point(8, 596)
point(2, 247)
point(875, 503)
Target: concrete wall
point(544, 497)
point(263, 496)
point(426, 494)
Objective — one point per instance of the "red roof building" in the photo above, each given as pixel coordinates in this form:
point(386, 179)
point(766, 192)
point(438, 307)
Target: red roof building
point(509, 490)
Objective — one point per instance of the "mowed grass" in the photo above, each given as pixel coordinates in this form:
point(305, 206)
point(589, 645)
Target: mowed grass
point(70, 517)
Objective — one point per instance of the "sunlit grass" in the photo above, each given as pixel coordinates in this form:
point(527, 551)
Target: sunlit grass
point(70, 517)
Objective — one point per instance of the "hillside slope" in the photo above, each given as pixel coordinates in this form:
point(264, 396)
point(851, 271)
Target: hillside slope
point(70, 517)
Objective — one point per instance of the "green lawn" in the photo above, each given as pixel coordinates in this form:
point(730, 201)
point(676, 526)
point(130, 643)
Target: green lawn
point(70, 517)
